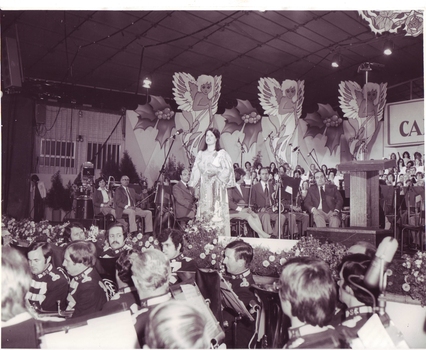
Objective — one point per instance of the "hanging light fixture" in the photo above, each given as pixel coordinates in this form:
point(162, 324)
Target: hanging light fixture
point(336, 60)
point(147, 83)
point(388, 47)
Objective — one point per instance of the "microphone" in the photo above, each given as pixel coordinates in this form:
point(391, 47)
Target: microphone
point(178, 132)
point(268, 136)
point(384, 255)
point(295, 149)
point(309, 154)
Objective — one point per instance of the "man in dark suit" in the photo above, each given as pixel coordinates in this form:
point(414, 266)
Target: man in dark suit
point(125, 201)
point(238, 204)
point(261, 196)
point(184, 197)
point(324, 202)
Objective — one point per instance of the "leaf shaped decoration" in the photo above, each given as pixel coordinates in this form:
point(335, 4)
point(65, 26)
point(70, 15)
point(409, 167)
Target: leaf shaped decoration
point(146, 117)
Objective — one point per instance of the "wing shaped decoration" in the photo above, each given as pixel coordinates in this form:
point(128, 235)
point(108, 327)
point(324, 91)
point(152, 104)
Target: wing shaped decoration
point(283, 103)
point(198, 100)
point(364, 108)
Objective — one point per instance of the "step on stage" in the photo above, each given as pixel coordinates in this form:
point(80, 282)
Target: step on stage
point(348, 236)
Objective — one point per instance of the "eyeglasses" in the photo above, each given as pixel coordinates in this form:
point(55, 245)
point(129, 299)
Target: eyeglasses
point(124, 179)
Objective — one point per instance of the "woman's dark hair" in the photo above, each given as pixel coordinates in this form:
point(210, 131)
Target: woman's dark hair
point(98, 180)
point(216, 133)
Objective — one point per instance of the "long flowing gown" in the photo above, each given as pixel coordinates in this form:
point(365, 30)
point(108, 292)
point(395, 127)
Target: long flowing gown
point(213, 189)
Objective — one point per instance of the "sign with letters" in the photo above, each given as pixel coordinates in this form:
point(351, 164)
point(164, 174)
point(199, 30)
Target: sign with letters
point(405, 123)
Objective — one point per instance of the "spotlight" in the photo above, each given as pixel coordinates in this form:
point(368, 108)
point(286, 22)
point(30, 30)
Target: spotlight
point(147, 83)
point(388, 47)
point(336, 61)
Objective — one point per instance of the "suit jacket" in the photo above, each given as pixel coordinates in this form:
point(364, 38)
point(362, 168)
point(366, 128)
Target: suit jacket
point(98, 199)
point(121, 200)
point(234, 197)
point(258, 197)
point(332, 196)
point(184, 201)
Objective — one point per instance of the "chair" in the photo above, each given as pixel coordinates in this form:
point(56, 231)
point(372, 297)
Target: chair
point(415, 216)
point(240, 227)
point(179, 223)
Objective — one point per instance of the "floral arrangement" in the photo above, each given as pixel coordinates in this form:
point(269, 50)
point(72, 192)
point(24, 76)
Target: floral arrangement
point(406, 275)
point(202, 244)
point(415, 276)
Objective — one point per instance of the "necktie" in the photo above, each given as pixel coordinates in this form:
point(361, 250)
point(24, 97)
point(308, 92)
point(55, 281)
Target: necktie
point(325, 207)
point(267, 195)
point(128, 196)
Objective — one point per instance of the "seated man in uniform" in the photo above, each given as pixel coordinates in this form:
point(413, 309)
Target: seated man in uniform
point(238, 205)
point(308, 297)
point(184, 197)
point(172, 243)
point(324, 202)
point(116, 239)
point(49, 286)
point(238, 256)
point(261, 197)
point(126, 293)
point(151, 276)
point(358, 298)
point(87, 291)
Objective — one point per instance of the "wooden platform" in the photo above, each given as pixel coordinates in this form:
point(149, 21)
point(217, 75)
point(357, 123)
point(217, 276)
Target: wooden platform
point(348, 236)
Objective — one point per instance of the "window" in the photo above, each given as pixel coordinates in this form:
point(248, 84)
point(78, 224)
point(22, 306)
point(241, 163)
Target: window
point(57, 153)
point(99, 156)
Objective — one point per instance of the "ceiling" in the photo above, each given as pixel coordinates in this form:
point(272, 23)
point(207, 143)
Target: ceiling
point(95, 57)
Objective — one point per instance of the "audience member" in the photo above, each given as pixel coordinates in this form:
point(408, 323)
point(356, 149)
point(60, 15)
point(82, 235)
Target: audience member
point(308, 297)
point(125, 203)
point(102, 199)
point(238, 256)
point(49, 285)
point(18, 328)
point(176, 325)
point(324, 202)
point(151, 276)
point(172, 243)
point(261, 197)
point(184, 197)
point(238, 205)
point(87, 291)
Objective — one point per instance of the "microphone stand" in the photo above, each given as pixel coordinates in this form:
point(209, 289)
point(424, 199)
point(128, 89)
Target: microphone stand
point(300, 152)
point(161, 174)
point(316, 162)
point(242, 152)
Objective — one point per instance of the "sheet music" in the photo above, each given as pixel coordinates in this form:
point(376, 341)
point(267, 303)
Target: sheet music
point(192, 294)
point(373, 334)
point(99, 333)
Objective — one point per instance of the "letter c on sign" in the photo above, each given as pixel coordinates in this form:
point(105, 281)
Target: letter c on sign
point(401, 128)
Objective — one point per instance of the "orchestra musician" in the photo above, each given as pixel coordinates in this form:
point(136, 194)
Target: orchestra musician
point(238, 205)
point(261, 197)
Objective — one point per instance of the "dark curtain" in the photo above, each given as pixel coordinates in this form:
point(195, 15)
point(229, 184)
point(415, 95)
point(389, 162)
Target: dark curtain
point(17, 154)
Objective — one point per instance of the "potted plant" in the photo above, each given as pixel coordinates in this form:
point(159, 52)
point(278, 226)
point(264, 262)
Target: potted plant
point(55, 196)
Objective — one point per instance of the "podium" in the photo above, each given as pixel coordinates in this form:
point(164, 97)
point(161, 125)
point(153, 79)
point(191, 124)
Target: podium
point(364, 189)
